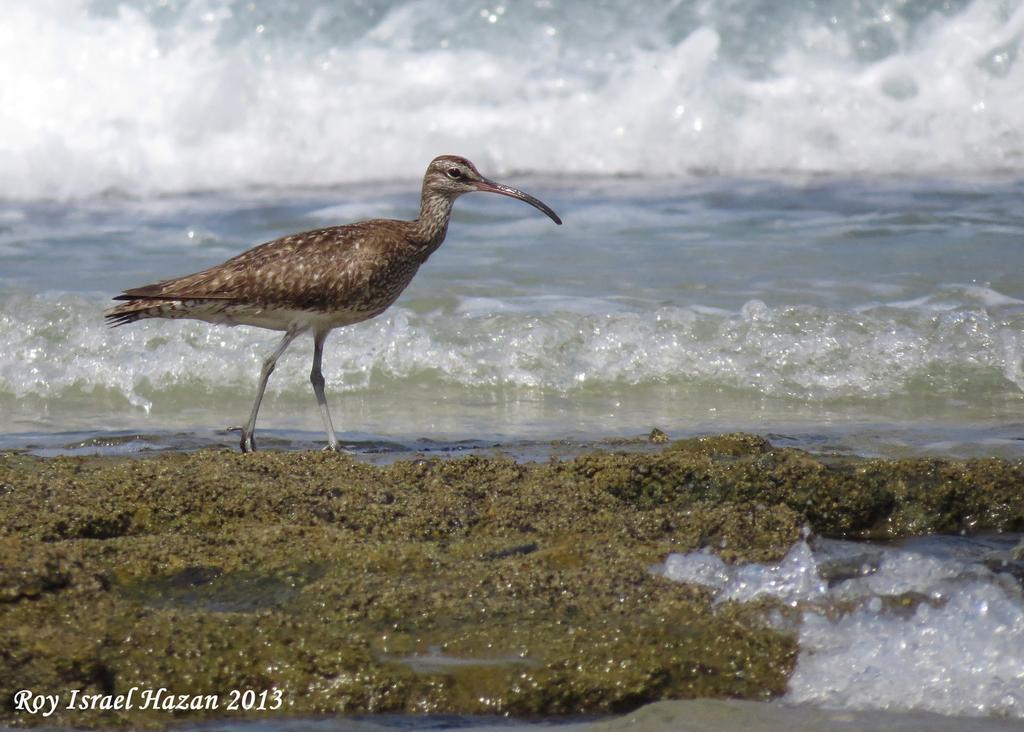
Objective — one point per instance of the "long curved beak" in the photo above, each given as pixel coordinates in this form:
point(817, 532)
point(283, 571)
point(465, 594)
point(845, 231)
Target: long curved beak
point(491, 187)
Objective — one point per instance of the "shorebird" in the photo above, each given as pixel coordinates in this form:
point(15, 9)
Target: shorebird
point(316, 281)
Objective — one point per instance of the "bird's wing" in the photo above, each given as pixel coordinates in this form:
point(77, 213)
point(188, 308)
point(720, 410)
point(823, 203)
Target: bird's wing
point(271, 272)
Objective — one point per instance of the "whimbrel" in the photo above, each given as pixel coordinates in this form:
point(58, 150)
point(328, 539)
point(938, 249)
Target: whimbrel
point(316, 281)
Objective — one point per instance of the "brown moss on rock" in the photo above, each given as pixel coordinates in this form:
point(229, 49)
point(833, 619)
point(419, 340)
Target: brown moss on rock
point(476, 585)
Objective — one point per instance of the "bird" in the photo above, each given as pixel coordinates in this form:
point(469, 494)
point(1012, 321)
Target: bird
point(316, 281)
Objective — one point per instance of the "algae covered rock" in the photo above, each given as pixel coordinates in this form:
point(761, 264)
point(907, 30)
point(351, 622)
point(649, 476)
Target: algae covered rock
point(471, 585)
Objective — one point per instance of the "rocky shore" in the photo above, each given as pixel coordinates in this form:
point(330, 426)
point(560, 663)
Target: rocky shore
point(476, 585)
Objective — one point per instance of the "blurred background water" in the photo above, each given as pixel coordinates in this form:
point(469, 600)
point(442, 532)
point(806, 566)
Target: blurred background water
point(801, 218)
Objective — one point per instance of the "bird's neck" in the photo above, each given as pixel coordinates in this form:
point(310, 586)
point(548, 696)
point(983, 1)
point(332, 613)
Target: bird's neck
point(432, 225)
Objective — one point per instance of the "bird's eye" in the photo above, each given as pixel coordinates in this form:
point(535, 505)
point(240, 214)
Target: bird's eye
point(454, 173)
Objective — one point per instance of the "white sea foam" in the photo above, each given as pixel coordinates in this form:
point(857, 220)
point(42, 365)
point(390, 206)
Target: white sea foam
point(960, 650)
point(793, 580)
point(194, 94)
point(52, 343)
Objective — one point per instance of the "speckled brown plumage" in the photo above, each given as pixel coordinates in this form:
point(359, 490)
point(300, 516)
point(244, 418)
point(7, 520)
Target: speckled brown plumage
point(317, 280)
point(358, 269)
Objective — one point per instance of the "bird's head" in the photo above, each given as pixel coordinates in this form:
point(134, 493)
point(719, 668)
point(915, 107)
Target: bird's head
point(451, 176)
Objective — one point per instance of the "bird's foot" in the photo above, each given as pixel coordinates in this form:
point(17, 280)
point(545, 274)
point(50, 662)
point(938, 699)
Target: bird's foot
point(332, 447)
point(246, 442)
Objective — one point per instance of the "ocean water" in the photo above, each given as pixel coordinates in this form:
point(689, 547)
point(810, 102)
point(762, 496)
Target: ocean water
point(802, 219)
point(883, 316)
point(932, 624)
point(150, 96)
point(799, 218)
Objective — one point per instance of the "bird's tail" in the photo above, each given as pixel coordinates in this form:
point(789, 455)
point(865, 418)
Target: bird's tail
point(134, 310)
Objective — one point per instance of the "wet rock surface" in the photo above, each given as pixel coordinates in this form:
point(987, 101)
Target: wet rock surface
point(476, 585)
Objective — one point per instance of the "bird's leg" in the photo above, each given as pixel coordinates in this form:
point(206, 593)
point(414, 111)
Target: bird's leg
point(316, 378)
point(248, 444)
